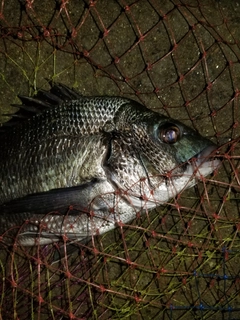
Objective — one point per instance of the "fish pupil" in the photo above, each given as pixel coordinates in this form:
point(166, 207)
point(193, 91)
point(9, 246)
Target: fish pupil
point(170, 134)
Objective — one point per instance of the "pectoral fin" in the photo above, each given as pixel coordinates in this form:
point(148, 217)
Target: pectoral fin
point(59, 200)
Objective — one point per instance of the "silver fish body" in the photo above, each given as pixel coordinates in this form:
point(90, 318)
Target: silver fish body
point(79, 166)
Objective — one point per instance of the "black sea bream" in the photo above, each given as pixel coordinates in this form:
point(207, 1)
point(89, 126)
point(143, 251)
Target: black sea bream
point(77, 166)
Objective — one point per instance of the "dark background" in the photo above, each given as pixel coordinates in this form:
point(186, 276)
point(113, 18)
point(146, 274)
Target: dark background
point(180, 58)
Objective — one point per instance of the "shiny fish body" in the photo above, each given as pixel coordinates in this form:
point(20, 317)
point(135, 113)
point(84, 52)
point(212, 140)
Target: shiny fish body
point(77, 166)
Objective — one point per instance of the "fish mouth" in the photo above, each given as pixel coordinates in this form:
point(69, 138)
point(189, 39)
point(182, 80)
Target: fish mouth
point(205, 162)
point(205, 154)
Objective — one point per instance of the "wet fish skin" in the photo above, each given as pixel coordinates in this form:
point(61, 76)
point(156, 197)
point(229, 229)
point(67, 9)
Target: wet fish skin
point(106, 156)
point(47, 141)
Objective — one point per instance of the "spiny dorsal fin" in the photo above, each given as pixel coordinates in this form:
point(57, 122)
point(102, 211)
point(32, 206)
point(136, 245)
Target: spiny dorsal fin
point(40, 102)
point(64, 93)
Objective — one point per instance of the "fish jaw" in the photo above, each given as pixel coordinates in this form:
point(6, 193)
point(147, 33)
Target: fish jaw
point(168, 186)
point(196, 169)
point(204, 163)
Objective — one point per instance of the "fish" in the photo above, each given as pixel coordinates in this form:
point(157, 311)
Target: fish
point(76, 166)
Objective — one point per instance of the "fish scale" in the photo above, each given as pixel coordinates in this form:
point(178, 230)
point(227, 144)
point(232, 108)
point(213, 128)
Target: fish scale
point(106, 158)
point(56, 132)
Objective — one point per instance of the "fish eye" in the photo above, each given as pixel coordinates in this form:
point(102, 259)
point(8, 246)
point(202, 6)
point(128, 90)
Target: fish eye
point(169, 133)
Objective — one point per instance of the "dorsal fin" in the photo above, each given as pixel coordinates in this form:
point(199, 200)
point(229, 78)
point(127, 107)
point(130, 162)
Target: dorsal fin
point(65, 93)
point(41, 101)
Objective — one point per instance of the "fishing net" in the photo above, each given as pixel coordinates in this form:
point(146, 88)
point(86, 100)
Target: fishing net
point(180, 58)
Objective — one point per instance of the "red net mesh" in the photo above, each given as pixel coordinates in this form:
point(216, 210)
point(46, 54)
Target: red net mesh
point(180, 58)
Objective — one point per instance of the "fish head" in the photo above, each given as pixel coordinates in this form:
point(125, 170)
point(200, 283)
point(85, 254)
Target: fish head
point(176, 146)
point(152, 158)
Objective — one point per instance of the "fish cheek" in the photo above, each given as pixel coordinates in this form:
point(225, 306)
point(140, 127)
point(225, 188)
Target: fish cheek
point(122, 166)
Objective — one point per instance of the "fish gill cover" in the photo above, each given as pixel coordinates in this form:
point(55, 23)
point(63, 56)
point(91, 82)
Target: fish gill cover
point(180, 58)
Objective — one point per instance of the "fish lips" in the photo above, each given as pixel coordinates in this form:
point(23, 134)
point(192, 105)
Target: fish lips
point(205, 162)
point(206, 154)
